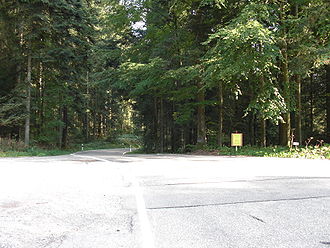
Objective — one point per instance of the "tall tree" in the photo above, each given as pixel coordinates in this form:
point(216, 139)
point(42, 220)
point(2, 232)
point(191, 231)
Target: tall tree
point(246, 49)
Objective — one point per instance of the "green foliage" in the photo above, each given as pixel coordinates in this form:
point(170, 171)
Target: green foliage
point(322, 152)
point(96, 74)
point(311, 152)
point(130, 140)
point(217, 3)
point(13, 148)
point(98, 145)
point(11, 145)
point(247, 44)
point(148, 77)
point(269, 104)
point(11, 110)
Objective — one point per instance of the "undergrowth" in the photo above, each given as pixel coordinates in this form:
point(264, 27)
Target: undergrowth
point(310, 152)
point(13, 148)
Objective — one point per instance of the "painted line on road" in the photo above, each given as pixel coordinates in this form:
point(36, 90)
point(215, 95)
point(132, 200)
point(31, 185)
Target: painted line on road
point(147, 235)
point(91, 157)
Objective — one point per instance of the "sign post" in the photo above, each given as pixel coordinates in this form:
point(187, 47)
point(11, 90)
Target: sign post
point(236, 140)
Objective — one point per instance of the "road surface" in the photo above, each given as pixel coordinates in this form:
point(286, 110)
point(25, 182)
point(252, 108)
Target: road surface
point(99, 199)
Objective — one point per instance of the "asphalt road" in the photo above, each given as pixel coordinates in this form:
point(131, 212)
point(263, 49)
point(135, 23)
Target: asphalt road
point(99, 199)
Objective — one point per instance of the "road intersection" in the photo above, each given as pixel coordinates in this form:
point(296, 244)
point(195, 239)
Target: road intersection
point(107, 199)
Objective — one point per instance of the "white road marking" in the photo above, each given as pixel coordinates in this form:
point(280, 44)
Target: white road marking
point(147, 235)
point(148, 241)
point(91, 157)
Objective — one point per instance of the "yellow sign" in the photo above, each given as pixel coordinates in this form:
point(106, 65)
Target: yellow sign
point(236, 139)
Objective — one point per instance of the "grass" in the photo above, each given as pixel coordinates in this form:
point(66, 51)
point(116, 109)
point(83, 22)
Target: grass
point(98, 145)
point(310, 152)
point(34, 152)
point(11, 148)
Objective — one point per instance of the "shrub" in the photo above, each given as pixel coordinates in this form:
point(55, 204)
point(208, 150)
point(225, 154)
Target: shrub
point(130, 140)
point(11, 145)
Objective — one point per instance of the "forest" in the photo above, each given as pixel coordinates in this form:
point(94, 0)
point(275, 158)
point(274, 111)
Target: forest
point(176, 73)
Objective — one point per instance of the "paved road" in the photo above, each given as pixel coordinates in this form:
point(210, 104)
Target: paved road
point(102, 199)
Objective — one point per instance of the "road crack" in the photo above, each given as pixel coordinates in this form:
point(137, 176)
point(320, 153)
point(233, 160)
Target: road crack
point(256, 218)
point(239, 202)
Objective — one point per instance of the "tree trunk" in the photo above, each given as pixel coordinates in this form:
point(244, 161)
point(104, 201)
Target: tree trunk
point(94, 124)
point(285, 130)
point(220, 115)
point(252, 130)
point(263, 141)
point(327, 67)
point(86, 128)
point(42, 117)
point(18, 81)
point(298, 110)
point(86, 121)
point(311, 110)
point(99, 126)
point(154, 137)
point(201, 127)
point(298, 132)
point(161, 125)
point(64, 141)
point(28, 102)
point(286, 124)
point(40, 98)
point(175, 132)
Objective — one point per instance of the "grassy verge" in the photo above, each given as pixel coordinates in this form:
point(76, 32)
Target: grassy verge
point(98, 145)
point(34, 152)
point(9, 148)
point(322, 152)
point(310, 152)
point(16, 149)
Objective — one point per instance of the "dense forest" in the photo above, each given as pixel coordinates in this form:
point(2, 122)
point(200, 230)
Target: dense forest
point(174, 72)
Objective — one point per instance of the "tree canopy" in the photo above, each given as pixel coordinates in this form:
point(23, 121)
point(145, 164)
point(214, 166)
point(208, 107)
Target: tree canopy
point(177, 73)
